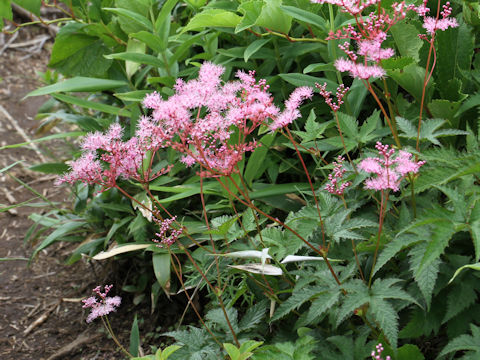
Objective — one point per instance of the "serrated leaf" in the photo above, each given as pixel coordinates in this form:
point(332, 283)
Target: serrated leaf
point(253, 316)
point(393, 248)
point(441, 235)
point(299, 297)
point(323, 303)
point(464, 342)
point(427, 278)
point(459, 299)
point(387, 318)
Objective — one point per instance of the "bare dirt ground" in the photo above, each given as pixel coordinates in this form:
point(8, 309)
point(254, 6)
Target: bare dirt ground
point(41, 315)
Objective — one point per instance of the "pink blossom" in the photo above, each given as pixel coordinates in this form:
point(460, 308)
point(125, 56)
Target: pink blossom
point(377, 354)
point(359, 70)
point(101, 304)
point(388, 168)
point(291, 111)
point(335, 185)
point(432, 25)
point(341, 91)
point(165, 228)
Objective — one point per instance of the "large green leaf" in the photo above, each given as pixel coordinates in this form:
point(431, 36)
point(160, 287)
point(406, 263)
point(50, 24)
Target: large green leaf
point(212, 18)
point(161, 268)
point(306, 16)
point(92, 105)
point(141, 22)
point(251, 11)
point(407, 40)
point(274, 18)
point(78, 84)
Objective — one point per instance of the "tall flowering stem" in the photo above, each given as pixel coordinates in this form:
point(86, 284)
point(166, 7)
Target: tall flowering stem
point(335, 106)
point(431, 25)
point(389, 170)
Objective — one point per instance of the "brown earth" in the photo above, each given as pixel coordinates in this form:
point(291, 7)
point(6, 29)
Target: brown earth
point(41, 315)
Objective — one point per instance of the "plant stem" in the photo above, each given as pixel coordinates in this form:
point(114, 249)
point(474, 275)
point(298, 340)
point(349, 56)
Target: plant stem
point(380, 226)
point(107, 325)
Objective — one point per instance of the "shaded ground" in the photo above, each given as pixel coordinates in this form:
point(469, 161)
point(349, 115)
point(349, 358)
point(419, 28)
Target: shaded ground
point(40, 308)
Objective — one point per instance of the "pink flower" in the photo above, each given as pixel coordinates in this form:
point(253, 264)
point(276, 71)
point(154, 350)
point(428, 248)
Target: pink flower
point(335, 177)
point(165, 228)
point(377, 354)
point(291, 111)
point(341, 91)
point(389, 170)
point(101, 304)
point(359, 70)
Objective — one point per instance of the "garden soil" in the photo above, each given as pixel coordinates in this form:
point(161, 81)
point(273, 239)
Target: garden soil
point(41, 315)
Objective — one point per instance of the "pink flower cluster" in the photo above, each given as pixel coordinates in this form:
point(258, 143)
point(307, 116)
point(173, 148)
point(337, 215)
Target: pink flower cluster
point(291, 111)
point(431, 24)
point(369, 36)
point(100, 303)
point(341, 91)
point(165, 227)
point(353, 7)
point(106, 157)
point(388, 168)
point(335, 185)
point(377, 354)
point(198, 120)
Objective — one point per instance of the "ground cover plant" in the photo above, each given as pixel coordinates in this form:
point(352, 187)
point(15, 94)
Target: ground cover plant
point(314, 217)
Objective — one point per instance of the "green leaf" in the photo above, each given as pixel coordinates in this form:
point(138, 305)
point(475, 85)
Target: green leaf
point(31, 5)
point(57, 234)
point(134, 337)
point(454, 52)
point(441, 235)
point(212, 18)
point(428, 276)
point(386, 317)
point(273, 18)
point(297, 79)
point(76, 54)
point(251, 11)
point(319, 67)
point(393, 248)
point(5, 11)
point(253, 316)
point(161, 267)
point(256, 162)
point(456, 304)
point(92, 105)
point(253, 48)
point(459, 270)
point(151, 40)
point(137, 58)
point(132, 16)
point(50, 168)
point(46, 138)
point(306, 16)
point(136, 47)
point(299, 297)
point(411, 79)
point(407, 40)
point(409, 352)
point(78, 84)
point(464, 342)
point(137, 95)
point(322, 304)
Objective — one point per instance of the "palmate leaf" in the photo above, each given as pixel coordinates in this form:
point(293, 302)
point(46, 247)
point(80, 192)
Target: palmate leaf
point(299, 297)
point(430, 130)
point(399, 243)
point(323, 303)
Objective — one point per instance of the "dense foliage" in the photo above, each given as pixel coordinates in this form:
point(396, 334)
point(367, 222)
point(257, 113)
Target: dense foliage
point(274, 199)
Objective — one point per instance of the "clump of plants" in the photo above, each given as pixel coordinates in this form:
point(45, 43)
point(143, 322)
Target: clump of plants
point(335, 225)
